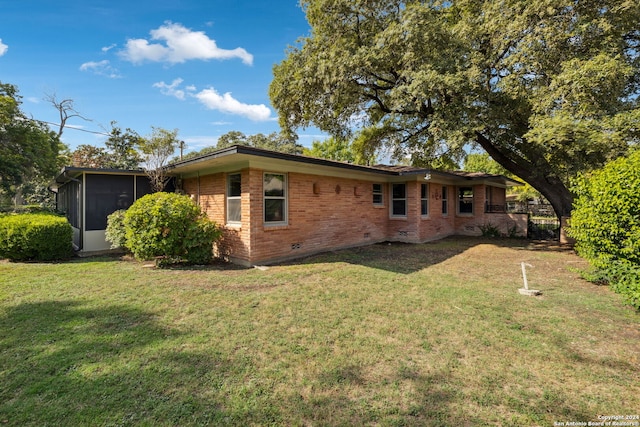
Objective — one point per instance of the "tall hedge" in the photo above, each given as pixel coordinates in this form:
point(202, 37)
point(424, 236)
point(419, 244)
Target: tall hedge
point(170, 226)
point(606, 223)
point(35, 237)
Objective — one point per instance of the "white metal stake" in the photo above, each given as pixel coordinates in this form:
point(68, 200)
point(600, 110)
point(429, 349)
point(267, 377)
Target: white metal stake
point(526, 290)
point(524, 274)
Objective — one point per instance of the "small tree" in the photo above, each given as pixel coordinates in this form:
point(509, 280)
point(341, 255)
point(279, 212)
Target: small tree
point(121, 146)
point(89, 156)
point(156, 151)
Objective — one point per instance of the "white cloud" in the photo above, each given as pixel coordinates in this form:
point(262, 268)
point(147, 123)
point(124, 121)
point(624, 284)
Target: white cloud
point(227, 104)
point(108, 48)
point(212, 100)
point(172, 89)
point(3, 48)
point(101, 68)
point(181, 44)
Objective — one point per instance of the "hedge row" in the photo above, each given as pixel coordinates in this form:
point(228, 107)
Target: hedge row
point(606, 224)
point(35, 237)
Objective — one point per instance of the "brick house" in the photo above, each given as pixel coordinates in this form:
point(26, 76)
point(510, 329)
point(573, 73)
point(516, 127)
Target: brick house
point(275, 206)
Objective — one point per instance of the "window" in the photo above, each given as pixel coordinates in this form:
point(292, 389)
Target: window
point(398, 200)
point(465, 200)
point(445, 201)
point(275, 198)
point(234, 202)
point(424, 199)
point(377, 194)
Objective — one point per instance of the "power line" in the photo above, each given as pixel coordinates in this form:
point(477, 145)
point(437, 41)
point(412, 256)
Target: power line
point(74, 128)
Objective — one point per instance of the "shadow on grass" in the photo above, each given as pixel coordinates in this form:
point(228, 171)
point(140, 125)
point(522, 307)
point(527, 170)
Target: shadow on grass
point(407, 258)
point(335, 402)
point(66, 364)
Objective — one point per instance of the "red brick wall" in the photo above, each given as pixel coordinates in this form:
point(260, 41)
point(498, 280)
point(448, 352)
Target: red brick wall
point(210, 193)
point(323, 213)
point(326, 213)
point(436, 225)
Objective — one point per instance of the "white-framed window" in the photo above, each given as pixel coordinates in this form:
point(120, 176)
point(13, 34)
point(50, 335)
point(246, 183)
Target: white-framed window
point(424, 199)
point(465, 200)
point(275, 198)
point(378, 198)
point(234, 198)
point(445, 200)
point(399, 200)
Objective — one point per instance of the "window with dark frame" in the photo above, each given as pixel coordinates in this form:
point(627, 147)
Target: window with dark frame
point(424, 199)
point(275, 198)
point(377, 194)
point(398, 200)
point(445, 201)
point(465, 200)
point(234, 198)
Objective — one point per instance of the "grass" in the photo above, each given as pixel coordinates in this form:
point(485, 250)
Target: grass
point(434, 334)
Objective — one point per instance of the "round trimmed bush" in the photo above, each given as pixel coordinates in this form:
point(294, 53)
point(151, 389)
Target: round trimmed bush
point(170, 226)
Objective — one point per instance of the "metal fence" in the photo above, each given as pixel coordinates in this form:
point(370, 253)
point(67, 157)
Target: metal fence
point(543, 228)
point(543, 223)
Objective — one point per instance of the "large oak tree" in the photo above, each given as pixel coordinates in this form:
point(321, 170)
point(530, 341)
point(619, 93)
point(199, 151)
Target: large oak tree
point(547, 88)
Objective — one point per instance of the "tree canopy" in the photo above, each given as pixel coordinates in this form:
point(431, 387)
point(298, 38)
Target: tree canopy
point(547, 88)
point(274, 141)
point(28, 149)
point(120, 151)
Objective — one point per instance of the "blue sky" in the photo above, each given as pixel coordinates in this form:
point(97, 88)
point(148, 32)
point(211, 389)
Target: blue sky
point(202, 67)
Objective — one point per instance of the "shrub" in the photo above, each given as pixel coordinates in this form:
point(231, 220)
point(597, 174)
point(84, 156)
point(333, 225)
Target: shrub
point(170, 226)
point(115, 232)
point(606, 223)
point(35, 237)
point(489, 230)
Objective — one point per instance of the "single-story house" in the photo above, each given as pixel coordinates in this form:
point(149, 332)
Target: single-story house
point(88, 195)
point(274, 206)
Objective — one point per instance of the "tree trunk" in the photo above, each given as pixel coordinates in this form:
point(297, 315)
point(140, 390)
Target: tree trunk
point(538, 176)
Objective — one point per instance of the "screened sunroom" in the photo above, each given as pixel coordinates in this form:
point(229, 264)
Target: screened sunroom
point(87, 196)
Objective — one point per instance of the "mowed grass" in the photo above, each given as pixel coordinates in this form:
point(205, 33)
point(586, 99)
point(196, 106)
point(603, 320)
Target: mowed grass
point(433, 334)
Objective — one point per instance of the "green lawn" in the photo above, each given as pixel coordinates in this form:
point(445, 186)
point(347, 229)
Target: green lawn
point(434, 334)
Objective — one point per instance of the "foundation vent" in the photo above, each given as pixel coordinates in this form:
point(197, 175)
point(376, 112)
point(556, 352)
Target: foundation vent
point(295, 246)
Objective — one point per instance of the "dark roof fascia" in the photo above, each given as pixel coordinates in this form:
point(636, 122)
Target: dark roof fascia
point(462, 176)
point(69, 173)
point(260, 152)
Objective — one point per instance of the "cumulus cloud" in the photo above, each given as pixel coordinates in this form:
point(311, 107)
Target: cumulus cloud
point(173, 88)
point(212, 100)
point(3, 48)
point(178, 44)
point(227, 104)
point(108, 48)
point(101, 68)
